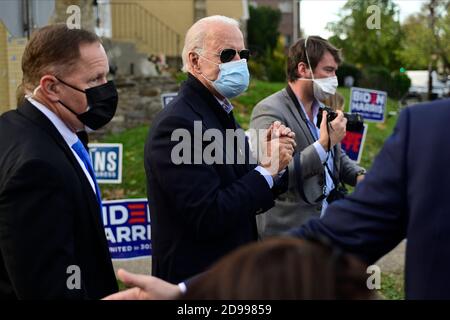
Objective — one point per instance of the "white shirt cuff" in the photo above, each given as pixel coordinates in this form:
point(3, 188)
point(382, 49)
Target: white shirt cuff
point(266, 174)
point(182, 287)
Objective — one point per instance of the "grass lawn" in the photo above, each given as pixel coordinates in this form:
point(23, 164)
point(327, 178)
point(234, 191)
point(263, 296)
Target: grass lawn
point(133, 173)
point(133, 140)
point(392, 286)
point(376, 134)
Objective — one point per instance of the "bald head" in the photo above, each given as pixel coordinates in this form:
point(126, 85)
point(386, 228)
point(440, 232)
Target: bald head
point(211, 33)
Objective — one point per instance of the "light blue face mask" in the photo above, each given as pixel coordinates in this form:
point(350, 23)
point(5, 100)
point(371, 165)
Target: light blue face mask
point(233, 78)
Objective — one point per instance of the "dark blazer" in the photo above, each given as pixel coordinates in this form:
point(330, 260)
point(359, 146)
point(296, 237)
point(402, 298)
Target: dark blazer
point(405, 195)
point(49, 216)
point(199, 212)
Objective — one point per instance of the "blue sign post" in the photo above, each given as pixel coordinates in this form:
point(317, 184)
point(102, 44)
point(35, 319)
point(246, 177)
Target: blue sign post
point(127, 228)
point(371, 104)
point(107, 161)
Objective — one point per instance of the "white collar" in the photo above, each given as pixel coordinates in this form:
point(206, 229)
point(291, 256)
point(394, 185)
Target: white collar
point(226, 105)
point(69, 136)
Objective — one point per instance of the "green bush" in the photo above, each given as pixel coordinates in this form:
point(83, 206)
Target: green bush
point(380, 78)
point(272, 65)
point(400, 84)
point(345, 70)
point(276, 67)
point(257, 70)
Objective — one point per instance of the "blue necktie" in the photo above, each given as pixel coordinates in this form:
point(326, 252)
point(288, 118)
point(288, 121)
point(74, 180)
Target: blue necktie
point(84, 156)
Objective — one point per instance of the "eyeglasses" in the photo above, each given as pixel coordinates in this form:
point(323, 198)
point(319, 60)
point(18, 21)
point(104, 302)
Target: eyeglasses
point(226, 55)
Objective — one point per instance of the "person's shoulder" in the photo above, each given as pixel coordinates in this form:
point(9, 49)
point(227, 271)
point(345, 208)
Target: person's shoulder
point(431, 111)
point(271, 102)
point(277, 96)
point(441, 105)
point(14, 128)
point(176, 115)
point(25, 139)
point(8, 118)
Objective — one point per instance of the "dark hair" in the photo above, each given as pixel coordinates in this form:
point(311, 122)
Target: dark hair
point(53, 49)
point(283, 268)
point(317, 46)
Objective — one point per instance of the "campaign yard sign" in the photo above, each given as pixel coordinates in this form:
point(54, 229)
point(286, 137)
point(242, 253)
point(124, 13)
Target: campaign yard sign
point(107, 161)
point(127, 228)
point(167, 97)
point(371, 104)
point(353, 143)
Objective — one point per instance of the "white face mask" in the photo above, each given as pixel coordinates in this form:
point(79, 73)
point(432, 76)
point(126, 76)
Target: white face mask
point(323, 87)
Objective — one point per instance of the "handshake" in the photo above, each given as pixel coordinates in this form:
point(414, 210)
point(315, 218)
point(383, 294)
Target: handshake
point(277, 147)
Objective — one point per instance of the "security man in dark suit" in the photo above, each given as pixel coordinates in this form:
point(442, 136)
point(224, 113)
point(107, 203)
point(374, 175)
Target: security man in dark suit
point(405, 195)
point(202, 210)
point(52, 241)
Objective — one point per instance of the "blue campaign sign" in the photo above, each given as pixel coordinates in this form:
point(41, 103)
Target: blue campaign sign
point(353, 143)
point(127, 228)
point(107, 161)
point(167, 97)
point(371, 104)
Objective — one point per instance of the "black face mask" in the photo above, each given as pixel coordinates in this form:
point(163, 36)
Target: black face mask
point(102, 101)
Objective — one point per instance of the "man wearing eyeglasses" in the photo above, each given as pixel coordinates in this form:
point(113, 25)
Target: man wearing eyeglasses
point(201, 209)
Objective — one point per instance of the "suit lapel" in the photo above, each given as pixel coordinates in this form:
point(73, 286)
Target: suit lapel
point(295, 109)
point(202, 102)
point(30, 112)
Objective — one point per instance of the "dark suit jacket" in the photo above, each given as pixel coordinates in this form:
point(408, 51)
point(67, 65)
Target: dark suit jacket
point(199, 212)
point(405, 195)
point(49, 216)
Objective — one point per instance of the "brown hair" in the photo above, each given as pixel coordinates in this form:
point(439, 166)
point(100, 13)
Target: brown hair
point(317, 46)
point(335, 102)
point(282, 268)
point(53, 49)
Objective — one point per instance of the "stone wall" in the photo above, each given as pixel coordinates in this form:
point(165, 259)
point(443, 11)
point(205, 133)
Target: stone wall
point(139, 102)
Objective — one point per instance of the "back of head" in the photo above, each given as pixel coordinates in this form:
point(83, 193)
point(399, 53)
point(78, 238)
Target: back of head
point(282, 268)
point(200, 31)
point(53, 49)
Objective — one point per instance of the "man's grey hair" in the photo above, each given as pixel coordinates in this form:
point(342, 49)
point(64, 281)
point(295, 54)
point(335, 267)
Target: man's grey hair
point(197, 33)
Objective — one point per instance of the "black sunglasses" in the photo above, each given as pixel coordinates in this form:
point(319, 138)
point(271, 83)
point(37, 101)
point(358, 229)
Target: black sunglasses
point(226, 55)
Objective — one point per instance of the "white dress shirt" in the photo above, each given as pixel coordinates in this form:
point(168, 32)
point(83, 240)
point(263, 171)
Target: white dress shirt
point(68, 135)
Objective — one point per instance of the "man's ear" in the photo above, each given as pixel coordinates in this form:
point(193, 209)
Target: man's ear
point(49, 86)
point(193, 61)
point(303, 70)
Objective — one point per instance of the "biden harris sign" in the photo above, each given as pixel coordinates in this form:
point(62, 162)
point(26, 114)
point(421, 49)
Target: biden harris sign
point(127, 228)
point(353, 143)
point(371, 104)
point(107, 161)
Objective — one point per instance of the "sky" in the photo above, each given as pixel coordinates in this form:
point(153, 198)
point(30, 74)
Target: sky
point(314, 24)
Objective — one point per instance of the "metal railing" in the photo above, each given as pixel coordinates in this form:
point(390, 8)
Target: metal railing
point(132, 22)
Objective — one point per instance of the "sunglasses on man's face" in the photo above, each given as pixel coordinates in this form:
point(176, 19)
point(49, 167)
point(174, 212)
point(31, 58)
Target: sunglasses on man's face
point(226, 55)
